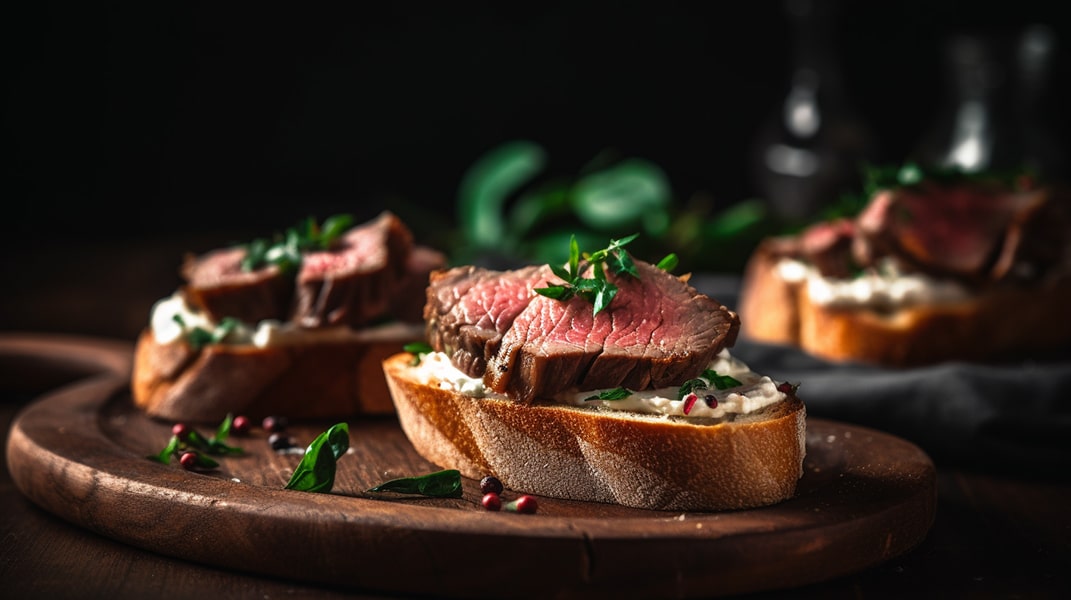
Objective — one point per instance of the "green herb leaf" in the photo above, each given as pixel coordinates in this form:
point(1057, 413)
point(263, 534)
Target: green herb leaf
point(668, 263)
point(170, 450)
point(690, 386)
point(721, 382)
point(596, 289)
point(210, 445)
point(316, 471)
point(224, 429)
point(441, 484)
point(286, 250)
point(418, 350)
point(199, 337)
point(724, 382)
point(619, 393)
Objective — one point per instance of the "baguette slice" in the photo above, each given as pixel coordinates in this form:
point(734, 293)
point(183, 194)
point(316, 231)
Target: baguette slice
point(1003, 321)
point(630, 459)
point(324, 379)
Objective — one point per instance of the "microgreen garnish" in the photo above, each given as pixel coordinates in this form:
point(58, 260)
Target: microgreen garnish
point(418, 350)
point(316, 471)
point(707, 378)
point(597, 289)
point(199, 337)
point(614, 394)
point(285, 250)
point(669, 262)
point(215, 445)
point(440, 484)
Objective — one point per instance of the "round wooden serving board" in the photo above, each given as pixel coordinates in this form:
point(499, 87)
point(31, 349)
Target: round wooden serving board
point(81, 452)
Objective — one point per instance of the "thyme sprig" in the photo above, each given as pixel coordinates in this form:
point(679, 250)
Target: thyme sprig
point(596, 289)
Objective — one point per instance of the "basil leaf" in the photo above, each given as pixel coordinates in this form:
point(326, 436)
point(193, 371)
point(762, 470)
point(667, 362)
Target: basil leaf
point(441, 484)
point(316, 471)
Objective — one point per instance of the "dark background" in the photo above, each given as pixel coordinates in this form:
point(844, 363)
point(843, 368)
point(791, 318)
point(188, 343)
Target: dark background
point(134, 122)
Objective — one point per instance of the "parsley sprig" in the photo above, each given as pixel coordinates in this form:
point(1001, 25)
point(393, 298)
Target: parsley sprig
point(596, 289)
point(286, 250)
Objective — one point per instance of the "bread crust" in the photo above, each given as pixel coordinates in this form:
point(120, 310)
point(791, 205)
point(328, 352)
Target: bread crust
point(325, 379)
point(607, 456)
point(1004, 321)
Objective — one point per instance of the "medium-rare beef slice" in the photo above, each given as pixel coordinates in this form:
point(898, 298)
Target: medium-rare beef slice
point(960, 231)
point(658, 331)
point(216, 284)
point(469, 308)
point(355, 281)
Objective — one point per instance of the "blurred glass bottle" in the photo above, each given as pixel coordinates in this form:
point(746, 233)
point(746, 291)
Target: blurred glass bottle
point(995, 113)
point(811, 150)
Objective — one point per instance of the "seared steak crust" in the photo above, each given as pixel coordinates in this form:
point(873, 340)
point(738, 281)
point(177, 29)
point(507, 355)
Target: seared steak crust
point(658, 331)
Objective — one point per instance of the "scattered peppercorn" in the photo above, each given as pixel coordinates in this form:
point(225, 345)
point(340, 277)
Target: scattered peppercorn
point(188, 460)
point(180, 430)
point(491, 501)
point(490, 484)
point(525, 505)
point(279, 441)
point(272, 424)
point(787, 388)
point(241, 424)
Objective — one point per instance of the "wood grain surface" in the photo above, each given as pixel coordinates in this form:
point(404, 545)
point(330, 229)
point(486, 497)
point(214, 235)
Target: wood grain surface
point(81, 453)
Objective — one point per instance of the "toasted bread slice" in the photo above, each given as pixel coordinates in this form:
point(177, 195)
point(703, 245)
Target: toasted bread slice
point(611, 456)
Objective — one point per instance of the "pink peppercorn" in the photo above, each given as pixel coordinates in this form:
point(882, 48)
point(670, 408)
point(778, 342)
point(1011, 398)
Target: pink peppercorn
point(491, 501)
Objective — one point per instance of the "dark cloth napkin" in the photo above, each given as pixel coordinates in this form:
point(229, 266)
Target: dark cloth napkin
point(1012, 417)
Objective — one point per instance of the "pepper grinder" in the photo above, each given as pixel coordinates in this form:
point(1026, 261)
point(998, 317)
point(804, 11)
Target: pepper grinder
point(811, 150)
point(994, 114)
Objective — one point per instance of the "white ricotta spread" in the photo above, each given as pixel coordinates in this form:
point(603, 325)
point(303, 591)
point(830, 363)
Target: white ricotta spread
point(172, 319)
point(883, 287)
point(754, 392)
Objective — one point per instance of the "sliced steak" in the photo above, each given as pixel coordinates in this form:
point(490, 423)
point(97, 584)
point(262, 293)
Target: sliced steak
point(469, 309)
point(658, 331)
point(955, 231)
point(217, 285)
point(355, 281)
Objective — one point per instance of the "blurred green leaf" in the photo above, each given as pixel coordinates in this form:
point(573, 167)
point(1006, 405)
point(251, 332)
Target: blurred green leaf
point(631, 192)
point(487, 185)
point(736, 220)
